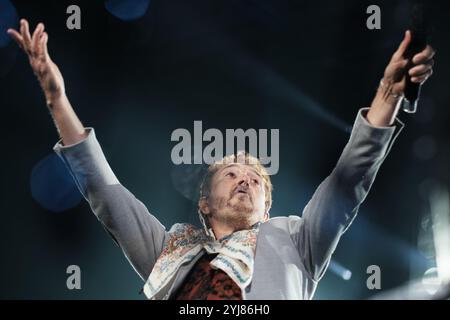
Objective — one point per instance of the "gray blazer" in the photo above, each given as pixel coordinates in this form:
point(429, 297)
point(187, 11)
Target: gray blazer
point(292, 253)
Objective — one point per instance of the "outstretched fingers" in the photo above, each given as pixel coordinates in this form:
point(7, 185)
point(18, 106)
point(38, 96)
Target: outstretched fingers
point(36, 37)
point(42, 47)
point(17, 37)
point(35, 45)
point(25, 31)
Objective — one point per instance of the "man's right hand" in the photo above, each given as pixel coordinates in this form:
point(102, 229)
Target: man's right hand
point(67, 122)
point(44, 68)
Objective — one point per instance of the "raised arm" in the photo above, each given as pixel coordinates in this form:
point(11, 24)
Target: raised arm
point(336, 201)
point(67, 123)
point(139, 234)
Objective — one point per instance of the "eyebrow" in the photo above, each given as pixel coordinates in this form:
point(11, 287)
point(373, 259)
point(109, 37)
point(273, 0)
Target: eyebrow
point(235, 165)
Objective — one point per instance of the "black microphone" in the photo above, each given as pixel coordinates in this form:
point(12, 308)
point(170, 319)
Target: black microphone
point(419, 32)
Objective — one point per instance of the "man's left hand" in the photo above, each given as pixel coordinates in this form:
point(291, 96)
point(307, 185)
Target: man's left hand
point(396, 71)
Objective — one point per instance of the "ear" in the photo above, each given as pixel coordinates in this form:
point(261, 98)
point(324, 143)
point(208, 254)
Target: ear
point(266, 216)
point(203, 205)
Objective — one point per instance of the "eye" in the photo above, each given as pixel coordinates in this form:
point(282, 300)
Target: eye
point(255, 181)
point(230, 174)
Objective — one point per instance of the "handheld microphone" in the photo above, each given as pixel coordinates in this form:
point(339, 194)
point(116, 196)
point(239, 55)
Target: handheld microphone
point(419, 32)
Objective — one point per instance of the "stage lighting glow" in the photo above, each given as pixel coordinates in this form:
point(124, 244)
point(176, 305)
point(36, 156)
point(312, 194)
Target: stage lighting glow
point(8, 19)
point(431, 281)
point(52, 186)
point(440, 214)
point(127, 10)
point(340, 270)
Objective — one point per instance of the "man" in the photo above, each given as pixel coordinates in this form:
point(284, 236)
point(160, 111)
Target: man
point(240, 253)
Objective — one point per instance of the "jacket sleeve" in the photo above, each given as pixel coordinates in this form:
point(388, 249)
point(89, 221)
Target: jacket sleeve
point(138, 233)
point(335, 202)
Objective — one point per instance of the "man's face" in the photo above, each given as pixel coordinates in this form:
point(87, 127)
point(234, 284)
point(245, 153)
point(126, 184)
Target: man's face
point(237, 196)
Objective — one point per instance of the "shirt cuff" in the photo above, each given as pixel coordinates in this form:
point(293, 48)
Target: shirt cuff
point(86, 163)
point(384, 136)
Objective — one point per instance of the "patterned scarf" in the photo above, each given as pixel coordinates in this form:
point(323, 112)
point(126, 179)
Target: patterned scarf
point(235, 255)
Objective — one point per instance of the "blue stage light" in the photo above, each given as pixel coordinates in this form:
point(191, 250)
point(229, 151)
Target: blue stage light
point(340, 270)
point(52, 186)
point(127, 9)
point(8, 19)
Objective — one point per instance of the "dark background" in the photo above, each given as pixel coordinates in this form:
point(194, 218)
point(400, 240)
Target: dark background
point(304, 67)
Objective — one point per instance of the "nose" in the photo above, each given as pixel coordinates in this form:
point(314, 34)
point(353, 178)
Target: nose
point(244, 179)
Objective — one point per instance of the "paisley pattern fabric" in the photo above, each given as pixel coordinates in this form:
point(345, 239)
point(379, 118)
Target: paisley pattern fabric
point(234, 255)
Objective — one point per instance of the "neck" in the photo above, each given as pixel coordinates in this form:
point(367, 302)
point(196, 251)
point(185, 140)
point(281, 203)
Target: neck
point(222, 229)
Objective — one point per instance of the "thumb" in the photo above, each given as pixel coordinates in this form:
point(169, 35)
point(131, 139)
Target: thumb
point(403, 45)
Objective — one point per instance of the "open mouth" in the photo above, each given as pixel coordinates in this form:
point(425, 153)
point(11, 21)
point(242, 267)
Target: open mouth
point(240, 191)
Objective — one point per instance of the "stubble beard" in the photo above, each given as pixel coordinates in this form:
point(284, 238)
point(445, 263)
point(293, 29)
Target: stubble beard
point(235, 212)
